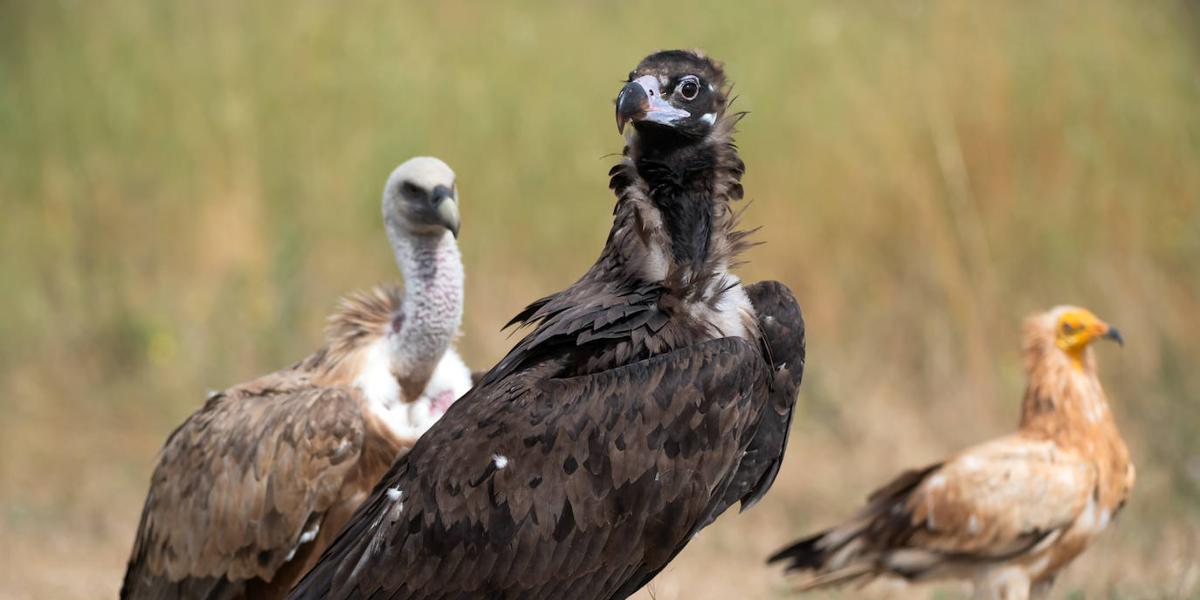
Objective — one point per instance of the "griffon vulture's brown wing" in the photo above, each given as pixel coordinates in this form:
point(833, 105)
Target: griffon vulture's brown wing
point(241, 486)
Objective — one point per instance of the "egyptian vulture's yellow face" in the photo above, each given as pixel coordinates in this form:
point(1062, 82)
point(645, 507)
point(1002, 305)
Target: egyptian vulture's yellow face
point(1078, 327)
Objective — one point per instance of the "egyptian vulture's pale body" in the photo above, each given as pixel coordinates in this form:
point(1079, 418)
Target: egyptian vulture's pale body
point(1008, 514)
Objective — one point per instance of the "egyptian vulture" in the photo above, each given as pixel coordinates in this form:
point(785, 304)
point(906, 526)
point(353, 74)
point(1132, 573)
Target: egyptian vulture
point(649, 396)
point(1008, 514)
point(251, 487)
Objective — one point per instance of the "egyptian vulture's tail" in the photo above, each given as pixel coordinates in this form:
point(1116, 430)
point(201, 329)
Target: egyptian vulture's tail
point(831, 557)
point(858, 549)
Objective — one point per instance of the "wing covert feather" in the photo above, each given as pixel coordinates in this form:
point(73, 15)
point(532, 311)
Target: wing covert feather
point(1000, 497)
point(238, 483)
point(570, 487)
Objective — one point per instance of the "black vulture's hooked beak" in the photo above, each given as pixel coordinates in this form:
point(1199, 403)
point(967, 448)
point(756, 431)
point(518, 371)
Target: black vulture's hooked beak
point(642, 100)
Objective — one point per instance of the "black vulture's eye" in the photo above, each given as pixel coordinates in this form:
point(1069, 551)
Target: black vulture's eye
point(689, 88)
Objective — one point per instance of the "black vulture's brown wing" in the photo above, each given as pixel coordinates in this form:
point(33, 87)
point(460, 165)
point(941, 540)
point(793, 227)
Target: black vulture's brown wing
point(589, 327)
point(240, 485)
point(567, 488)
point(477, 376)
point(782, 327)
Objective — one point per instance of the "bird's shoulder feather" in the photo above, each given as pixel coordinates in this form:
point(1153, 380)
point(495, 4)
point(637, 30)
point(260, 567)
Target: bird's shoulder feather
point(240, 481)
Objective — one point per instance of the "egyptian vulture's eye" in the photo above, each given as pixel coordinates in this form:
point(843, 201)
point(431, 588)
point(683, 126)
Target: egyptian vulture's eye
point(689, 88)
point(1068, 328)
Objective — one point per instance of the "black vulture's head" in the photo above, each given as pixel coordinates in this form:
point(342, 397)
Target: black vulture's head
point(673, 93)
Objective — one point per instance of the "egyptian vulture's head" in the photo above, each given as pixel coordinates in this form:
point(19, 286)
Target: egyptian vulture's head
point(1075, 328)
point(421, 198)
point(673, 93)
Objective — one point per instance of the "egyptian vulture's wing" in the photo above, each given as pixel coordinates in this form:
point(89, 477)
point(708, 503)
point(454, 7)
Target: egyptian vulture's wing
point(567, 488)
point(999, 499)
point(992, 502)
point(241, 485)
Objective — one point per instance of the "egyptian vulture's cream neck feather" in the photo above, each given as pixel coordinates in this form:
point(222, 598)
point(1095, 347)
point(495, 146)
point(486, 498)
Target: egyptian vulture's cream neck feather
point(1061, 389)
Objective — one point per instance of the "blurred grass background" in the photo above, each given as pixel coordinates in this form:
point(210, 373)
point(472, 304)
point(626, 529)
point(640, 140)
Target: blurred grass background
point(187, 187)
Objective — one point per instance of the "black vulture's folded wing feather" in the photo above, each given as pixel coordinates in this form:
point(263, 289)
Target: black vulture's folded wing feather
point(572, 488)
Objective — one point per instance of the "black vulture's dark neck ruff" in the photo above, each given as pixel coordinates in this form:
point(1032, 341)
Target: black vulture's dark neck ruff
point(691, 182)
point(673, 240)
point(680, 183)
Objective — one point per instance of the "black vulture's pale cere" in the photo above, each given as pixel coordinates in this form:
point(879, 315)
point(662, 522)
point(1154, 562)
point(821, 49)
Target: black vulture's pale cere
point(647, 398)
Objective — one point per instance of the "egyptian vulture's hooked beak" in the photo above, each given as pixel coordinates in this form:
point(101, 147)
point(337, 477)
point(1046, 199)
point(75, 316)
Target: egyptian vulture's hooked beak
point(642, 100)
point(1111, 333)
point(446, 208)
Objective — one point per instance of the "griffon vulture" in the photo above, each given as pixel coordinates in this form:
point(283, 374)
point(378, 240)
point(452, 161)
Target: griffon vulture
point(253, 486)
